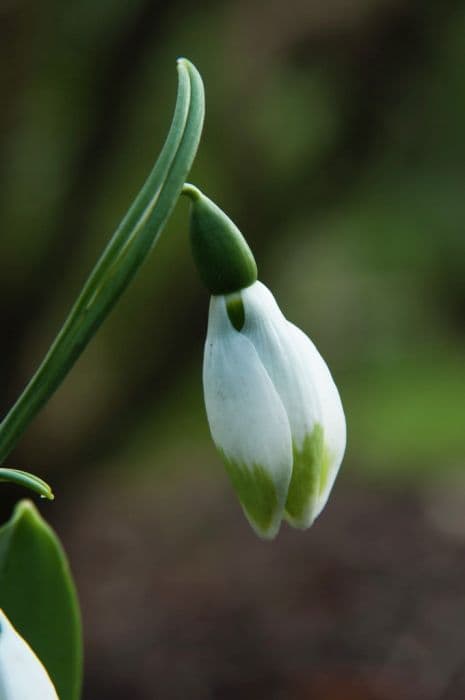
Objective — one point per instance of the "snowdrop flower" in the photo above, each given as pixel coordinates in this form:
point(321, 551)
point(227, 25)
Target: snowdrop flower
point(273, 409)
point(22, 676)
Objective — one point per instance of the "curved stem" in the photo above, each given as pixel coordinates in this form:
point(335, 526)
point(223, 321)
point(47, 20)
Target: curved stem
point(29, 481)
point(135, 237)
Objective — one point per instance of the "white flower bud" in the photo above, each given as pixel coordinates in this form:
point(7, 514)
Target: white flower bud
point(273, 409)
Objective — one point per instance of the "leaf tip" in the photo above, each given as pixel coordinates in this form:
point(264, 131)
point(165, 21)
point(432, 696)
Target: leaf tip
point(25, 508)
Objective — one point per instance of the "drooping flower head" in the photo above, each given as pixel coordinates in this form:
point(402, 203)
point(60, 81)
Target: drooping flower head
point(274, 411)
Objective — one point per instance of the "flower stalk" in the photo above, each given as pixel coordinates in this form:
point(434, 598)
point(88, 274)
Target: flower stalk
point(136, 235)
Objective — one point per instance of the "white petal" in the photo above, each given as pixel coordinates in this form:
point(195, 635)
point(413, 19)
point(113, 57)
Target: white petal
point(310, 397)
point(247, 419)
point(332, 414)
point(289, 368)
point(22, 676)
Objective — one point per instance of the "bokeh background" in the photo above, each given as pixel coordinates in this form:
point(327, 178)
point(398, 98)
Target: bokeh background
point(334, 137)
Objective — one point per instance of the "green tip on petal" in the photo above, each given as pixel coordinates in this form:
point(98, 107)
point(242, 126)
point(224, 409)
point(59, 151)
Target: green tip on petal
point(223, 258)
point(258, 496)
point(309, 474)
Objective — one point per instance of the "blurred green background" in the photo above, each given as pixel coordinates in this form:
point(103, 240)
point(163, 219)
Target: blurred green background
point(334, 137)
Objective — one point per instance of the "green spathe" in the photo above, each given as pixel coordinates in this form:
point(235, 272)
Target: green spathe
point(223, 258)
point(258, 496)
point(309, 476)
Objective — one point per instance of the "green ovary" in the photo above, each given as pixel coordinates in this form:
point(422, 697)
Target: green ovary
point(257, 494)
point(309, 478)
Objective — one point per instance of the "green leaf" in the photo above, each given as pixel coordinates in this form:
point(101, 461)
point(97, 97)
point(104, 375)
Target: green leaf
point(29, 481)
point(134, 238)
point(38, 595)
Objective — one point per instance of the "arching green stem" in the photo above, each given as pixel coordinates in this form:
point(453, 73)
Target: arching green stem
point(124, 254)
point(29, 481)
